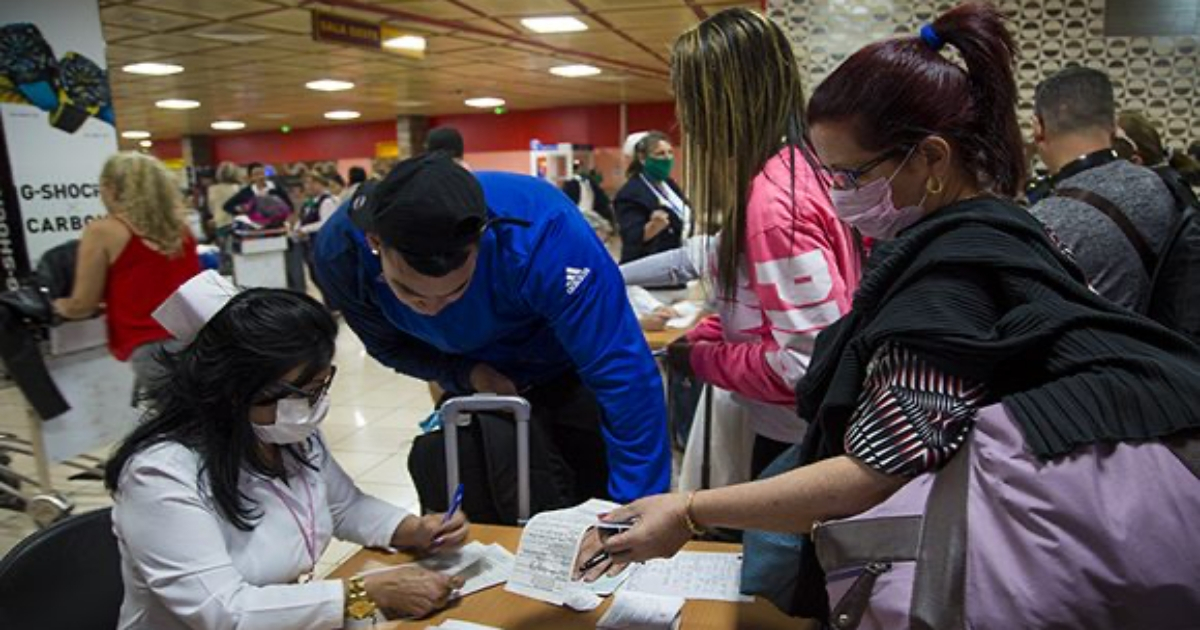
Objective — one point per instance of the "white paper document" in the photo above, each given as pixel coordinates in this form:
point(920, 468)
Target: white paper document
point(688, 312)
point(692, 575)
point(453, 562)
point(454, 624)
point(642, 611)
point(481, 566)
point(448, 563)
point(546, 558)
point(494, 567)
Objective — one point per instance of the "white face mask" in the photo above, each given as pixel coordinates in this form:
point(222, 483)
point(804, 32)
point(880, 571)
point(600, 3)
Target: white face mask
point(295, 421)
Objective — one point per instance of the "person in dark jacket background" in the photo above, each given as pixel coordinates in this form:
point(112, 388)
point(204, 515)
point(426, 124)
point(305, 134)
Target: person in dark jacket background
point(652, 213)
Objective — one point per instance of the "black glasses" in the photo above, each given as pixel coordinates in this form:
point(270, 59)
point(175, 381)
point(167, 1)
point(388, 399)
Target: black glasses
point(287, 390)
point(848, 178)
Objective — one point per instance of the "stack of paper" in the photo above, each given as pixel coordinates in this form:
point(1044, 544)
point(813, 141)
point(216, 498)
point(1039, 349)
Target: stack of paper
point(641, 611)
point(481, 566)
point(692, 575)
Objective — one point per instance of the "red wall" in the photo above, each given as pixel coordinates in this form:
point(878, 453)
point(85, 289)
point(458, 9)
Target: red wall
point(334, 142)
point(167, 149)
point(597, 125)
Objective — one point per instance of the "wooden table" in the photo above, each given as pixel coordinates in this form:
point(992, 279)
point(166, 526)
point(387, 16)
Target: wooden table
point(659, 339)
point(497, 607)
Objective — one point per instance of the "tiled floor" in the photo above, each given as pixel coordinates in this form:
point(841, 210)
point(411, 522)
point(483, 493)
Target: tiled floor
point(371, 425)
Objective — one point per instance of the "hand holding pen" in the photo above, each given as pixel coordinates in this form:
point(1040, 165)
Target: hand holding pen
point(434, 533)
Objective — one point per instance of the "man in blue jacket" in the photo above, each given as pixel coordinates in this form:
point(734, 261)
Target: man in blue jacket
point(493, 282)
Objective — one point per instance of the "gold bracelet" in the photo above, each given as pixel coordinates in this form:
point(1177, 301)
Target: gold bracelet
point(687, 516)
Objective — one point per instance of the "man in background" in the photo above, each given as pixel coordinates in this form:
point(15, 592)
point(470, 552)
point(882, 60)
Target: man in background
point(1100, 206)
point(449, 141)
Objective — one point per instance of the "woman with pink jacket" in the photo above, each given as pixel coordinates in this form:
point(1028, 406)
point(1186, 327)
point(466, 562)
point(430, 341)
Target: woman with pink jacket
point(784, 266)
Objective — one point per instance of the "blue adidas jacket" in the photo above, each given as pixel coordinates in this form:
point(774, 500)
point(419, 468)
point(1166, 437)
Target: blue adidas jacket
point(544, 299)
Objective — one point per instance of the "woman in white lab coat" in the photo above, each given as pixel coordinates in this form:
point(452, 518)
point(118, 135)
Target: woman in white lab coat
point(226, 495)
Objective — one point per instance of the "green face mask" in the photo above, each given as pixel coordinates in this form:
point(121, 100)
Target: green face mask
point(658, 169)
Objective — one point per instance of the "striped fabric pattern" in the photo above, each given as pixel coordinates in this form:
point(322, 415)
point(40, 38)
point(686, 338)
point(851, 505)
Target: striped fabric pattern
point(911, 417)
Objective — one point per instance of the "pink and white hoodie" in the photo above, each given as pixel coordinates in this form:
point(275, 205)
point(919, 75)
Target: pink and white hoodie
point(799, 273)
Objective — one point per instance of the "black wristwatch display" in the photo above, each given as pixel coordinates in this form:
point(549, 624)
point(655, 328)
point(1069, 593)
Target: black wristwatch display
point(83, 91)
point(28, 62)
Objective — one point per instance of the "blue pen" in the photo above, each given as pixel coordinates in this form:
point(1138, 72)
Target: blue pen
point(454, 504)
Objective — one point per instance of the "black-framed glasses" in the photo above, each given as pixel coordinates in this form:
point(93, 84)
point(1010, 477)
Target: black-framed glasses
point(287, 390)
point(849, 178)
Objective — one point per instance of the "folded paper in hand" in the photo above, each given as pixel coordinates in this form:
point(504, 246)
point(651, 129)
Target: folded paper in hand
point(545, 563)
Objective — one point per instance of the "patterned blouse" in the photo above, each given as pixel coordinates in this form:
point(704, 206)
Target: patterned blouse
point(911, 417)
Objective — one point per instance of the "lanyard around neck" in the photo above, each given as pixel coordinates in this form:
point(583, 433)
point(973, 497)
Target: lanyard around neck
point(665, 198)
point(308, 534)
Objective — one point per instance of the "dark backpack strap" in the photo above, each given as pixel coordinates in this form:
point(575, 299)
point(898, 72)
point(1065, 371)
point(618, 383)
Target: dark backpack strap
point(1110, 210)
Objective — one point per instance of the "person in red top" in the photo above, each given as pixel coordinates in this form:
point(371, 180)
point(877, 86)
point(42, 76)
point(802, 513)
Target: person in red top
point(132, 260)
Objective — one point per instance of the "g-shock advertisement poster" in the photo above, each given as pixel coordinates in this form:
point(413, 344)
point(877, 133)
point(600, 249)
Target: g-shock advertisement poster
point(56, 127)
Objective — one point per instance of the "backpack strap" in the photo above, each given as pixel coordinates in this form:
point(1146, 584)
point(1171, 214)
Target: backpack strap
point(1110, 210)
point(939, 585)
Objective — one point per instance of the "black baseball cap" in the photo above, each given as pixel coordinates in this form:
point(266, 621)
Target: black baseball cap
point(426, 205)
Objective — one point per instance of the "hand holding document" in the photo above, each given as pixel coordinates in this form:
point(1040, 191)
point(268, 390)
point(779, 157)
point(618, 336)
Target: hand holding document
point(480, 566)
point(545, 564)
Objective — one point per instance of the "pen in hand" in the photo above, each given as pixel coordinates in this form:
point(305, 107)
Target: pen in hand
point(454, 504)
point(594, 562)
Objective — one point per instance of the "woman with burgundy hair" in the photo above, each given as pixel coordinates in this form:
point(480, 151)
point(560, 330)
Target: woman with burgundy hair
point(979, 413)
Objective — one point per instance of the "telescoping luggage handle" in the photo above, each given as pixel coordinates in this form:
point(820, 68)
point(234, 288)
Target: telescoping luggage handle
point(456, 412)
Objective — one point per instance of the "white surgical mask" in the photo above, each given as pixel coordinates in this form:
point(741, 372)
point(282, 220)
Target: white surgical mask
point(295, 421)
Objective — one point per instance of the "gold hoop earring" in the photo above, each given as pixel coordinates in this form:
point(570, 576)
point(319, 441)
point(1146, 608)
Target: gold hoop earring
point(934, 185)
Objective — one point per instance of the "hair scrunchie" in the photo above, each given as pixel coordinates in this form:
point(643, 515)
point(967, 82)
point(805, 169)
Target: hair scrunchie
point(930, 37)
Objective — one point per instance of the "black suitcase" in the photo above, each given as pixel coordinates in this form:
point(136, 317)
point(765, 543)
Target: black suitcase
point(509, 468)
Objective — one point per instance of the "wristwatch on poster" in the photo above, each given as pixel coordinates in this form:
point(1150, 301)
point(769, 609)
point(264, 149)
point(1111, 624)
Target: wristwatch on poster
point(83, 91)
point(28, 62)
point(360, 610)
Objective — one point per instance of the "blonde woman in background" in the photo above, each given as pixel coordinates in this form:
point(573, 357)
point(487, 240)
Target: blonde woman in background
point(132, 260)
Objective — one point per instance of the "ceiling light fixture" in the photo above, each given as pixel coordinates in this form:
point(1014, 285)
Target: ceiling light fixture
point(329, 85)
point(342, 115)
point(406, 42)
point(575, 71)
point(484, 102)
point(228, 125)
point(135, 135)
point(177, 103)
point(561, 24)
point(153, 69)
point(145, 144)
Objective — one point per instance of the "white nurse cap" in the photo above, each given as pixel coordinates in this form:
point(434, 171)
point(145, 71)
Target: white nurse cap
point(193, 304)
point(631, 142)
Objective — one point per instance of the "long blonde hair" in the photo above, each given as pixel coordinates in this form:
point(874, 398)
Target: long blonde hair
point(739, 100)
point(146, 197)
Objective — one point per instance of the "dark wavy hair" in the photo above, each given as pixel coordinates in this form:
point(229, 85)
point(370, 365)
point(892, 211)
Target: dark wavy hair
point(204, 400)
point(899, 91)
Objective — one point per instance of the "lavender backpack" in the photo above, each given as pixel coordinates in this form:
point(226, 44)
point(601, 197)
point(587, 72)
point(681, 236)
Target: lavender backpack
point(1104, 538)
